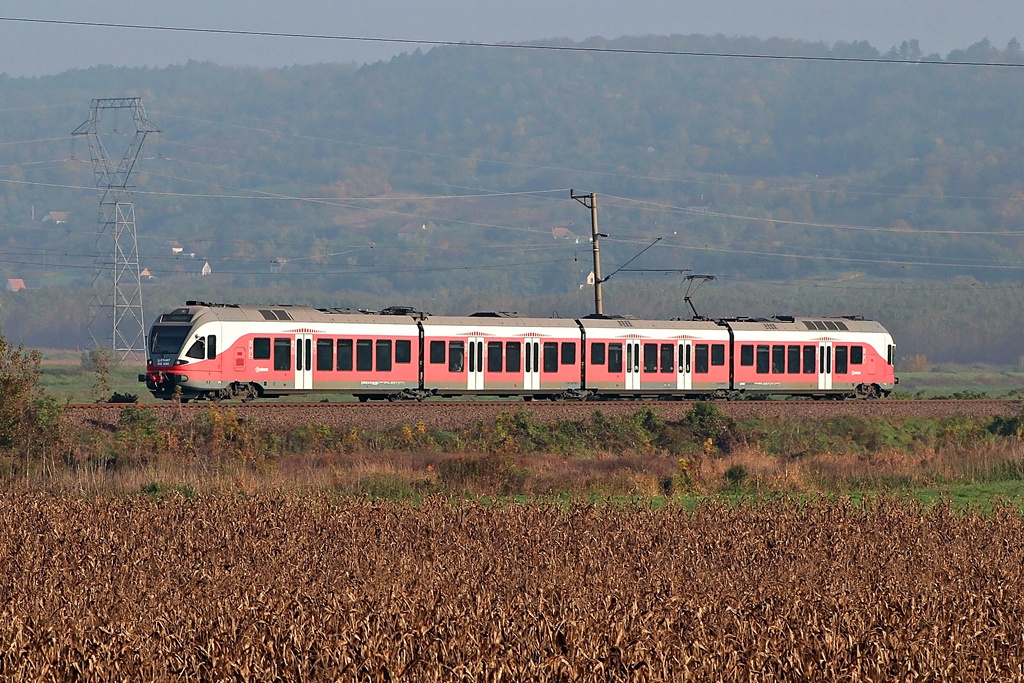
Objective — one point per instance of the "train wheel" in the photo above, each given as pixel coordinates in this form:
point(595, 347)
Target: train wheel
point(363, 398)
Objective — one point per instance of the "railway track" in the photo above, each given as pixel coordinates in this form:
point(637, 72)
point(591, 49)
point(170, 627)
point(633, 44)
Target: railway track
point(458, 414)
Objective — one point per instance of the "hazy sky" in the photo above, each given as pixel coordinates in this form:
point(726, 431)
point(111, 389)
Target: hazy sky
point(38, 49)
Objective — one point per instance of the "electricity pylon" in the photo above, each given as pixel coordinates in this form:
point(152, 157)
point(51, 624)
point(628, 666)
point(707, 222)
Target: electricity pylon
point(117, 285)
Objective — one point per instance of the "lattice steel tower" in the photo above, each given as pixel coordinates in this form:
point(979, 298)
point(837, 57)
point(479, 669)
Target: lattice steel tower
point(117, 286)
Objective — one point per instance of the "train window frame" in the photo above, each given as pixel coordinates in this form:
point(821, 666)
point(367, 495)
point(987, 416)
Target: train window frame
point(667, 358)
point(597, 353)
point(568, 353)
point(198, 349)
point(403, 351)
point(383, 359)
point(364, 355)
point(856, 354)
point(513, 356)
point(650, 357)
point(747, 355)
point(793, 358)
point(810, 359)
point(841, 360)
point(282, 354)
point(550, 351)
point(615, 364)
point(717, 354)
point(346, 355)
point(438, 352)
point(261, 348)
point(324, 354)
point(764, 359)
point(778, 359)
point(456, 355)
point(211, 347)
point(701, 358)
point(495, 362)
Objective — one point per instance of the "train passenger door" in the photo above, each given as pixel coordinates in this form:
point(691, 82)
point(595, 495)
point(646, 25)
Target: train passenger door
point(531, 366)
point(476, 363)
point(303, 361)
point(685, 379)
point(824, 365)
point(633, 365)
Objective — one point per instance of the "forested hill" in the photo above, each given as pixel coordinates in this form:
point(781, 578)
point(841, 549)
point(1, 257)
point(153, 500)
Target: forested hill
point(443, 173)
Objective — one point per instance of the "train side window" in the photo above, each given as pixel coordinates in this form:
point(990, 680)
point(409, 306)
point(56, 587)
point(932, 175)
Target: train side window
point(778, 359)
point(437, 352)
point(650, 357)
point(597, 353)
point(615, 358)
point(364, 355)
point(345, 354)
point(810, 354)
point(261, 348)
point(383, 355)
point(456, 356)
point(197, 350)
point(494, 356)
point(550, 356)
point(889, 354)
point(668, 358)
point(763, 359)
point(568, 353)
point(856, 355)
point(324, 354)
point(793, 360)
point(747, 354)
point(700, 359)
point(282, 354)
point(841, 356)
point(513, 356)
point(403, 351)
point(718, 354)
point(211, 346)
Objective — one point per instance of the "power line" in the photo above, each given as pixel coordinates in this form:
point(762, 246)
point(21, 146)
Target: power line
point(513, 46)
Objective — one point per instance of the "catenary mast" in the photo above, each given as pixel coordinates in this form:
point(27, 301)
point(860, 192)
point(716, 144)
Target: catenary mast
point(117, 286)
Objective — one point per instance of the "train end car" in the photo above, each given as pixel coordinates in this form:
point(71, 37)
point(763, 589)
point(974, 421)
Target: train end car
point(220, 351)
point(818, 357)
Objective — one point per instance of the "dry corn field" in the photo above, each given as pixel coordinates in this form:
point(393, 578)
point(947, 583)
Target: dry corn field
point(292, 587)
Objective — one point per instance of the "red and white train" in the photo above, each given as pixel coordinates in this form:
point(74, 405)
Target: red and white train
point(221, 351)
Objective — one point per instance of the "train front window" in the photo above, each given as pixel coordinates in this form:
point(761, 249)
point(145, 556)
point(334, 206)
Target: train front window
point(167, 338)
